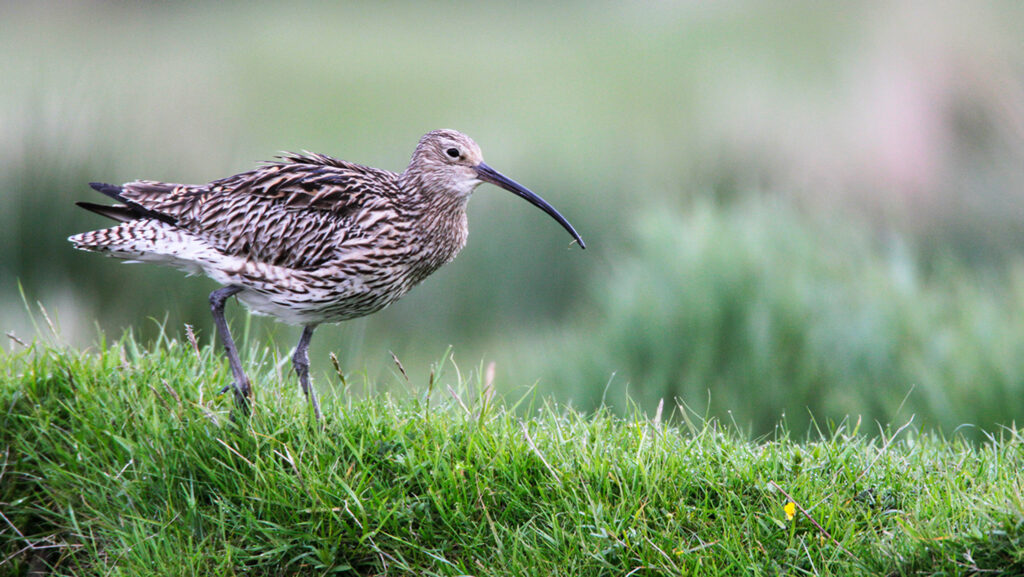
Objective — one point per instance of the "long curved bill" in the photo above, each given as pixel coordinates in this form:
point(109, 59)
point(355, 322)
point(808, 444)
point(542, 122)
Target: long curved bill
point(488, 174)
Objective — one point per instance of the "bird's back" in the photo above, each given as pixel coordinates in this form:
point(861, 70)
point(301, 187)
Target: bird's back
point(295, 213)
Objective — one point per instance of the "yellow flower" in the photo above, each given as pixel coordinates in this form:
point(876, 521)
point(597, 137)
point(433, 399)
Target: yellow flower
point(790, 510)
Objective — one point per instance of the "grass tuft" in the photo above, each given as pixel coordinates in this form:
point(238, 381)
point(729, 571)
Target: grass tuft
point(123, 461)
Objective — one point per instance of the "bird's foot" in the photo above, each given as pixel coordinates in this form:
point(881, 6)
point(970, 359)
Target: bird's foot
point(242, 391)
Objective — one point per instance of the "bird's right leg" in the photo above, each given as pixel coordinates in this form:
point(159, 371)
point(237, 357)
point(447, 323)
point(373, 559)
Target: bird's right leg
point(243, 390)
point(300, 360)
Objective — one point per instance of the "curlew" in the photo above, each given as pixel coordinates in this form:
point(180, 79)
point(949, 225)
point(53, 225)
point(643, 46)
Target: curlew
point(307, 239)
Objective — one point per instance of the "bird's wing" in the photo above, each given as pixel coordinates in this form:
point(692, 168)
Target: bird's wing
point(298, 212)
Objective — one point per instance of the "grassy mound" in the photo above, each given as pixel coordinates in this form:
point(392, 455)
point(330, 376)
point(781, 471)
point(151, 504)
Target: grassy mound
point(124, 461)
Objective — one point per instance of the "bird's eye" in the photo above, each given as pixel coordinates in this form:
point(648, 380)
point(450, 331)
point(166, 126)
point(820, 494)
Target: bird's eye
point(452, 152)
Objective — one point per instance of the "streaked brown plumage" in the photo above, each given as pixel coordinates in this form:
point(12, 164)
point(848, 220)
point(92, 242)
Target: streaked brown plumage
point(308, 239)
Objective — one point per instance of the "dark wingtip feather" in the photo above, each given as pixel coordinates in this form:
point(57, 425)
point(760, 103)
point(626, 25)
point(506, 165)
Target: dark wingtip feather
point(119, 213)
point(111, 190)
point(132, 211)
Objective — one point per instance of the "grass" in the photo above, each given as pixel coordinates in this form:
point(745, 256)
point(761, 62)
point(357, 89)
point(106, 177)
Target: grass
point(123, 461)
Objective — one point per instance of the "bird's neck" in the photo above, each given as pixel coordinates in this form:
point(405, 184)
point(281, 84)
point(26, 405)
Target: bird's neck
point(441, 219)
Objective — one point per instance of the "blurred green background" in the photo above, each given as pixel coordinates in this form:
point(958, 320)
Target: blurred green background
point(795, 209)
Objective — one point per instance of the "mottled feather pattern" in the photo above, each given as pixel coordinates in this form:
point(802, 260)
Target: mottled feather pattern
point(310, 237)
point(261, 213)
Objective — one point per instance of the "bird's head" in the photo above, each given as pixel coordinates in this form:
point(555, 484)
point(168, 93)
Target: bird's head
point(449, 162)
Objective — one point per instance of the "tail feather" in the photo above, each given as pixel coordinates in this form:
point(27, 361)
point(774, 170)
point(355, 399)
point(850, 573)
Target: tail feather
point(149, 240)
point(131, 239)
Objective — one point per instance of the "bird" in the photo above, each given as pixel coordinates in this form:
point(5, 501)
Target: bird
point(306, 238)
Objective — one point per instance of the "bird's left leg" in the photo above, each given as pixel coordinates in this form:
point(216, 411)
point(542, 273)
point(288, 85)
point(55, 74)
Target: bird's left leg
point(243, 390)
point(300, 360)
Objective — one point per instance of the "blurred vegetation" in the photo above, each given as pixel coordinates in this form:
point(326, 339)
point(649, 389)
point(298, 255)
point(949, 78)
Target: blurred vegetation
point(755, 310)
point(892, 137)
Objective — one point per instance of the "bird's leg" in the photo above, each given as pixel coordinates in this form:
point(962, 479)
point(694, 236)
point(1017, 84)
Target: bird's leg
point(300, 360)
point(242, 388)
